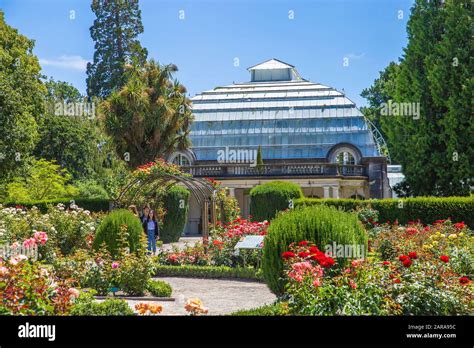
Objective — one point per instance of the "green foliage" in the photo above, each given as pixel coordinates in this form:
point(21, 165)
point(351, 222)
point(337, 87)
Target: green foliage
point(275, 309)
point(427, 209)
point(150, 116)
point(268, 199)
point(70, 141)
point(211, 272)
point(176, 204)
point(86, 304)
point(259, 159)
point(159, 288)
point(91, 204)
point(118, 22)
point(135, 271)
point(436, 72)
point(43, 180)
point(109, 231)
point(227, 207)
point(21, 98)
point(90, 188)
point(321, 224)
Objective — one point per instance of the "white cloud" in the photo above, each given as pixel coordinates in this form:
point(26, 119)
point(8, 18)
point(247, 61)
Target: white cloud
point(355, 56)
point(66, 62)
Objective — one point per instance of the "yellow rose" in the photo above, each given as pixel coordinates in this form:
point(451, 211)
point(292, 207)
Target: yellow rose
point(453, 236)
point(435, 242)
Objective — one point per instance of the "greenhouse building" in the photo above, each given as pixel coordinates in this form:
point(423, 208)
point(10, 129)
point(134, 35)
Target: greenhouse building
point(306, 132)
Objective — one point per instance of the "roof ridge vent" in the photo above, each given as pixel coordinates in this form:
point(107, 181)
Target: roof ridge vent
point(273, 70)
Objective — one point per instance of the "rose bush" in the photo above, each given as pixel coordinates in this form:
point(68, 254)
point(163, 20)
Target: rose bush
point(220, 251)
point(428, 274)
point(29, 288)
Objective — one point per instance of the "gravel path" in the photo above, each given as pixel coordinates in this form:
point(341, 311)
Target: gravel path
point(219, 296)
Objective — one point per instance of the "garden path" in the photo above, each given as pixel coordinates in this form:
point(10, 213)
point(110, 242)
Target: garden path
point(218, 295)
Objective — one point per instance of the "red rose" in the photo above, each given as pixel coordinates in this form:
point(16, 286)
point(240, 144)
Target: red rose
point(386, 263)
point(313, 249)
point(327, 262)
point(460, 225)
point(303, 254)
point(396, 281)
point(303, 243)
point(411, 231)
point(288, 254)
point(403, 257)
point(407, 263)
point(412, 255)
point(444, 258)
point(464, 280)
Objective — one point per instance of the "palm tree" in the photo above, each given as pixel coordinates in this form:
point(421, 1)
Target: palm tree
point(149, 116)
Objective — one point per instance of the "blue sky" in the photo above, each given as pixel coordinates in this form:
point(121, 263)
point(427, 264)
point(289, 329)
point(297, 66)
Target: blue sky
point(205, 44)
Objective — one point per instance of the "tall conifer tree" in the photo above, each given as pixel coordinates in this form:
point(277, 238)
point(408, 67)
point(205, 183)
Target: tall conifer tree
point(115, 31)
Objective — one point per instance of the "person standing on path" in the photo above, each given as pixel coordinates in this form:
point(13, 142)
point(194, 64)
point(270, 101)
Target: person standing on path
point(145, 212)
point(150, 225)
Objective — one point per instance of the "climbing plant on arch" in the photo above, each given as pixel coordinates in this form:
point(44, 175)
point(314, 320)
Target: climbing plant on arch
point(152, 177)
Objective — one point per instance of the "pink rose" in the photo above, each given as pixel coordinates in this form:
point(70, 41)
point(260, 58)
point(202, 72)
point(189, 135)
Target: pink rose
point(73, 292)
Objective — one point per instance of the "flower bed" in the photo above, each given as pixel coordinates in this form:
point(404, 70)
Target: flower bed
point(426, 272)
point(220, 251)
point(217, 272)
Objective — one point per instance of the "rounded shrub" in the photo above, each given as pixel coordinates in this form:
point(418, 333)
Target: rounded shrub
point(320, 224)
point(109, 231)
point(176, 203)
point(268, 199)
point(159, 288)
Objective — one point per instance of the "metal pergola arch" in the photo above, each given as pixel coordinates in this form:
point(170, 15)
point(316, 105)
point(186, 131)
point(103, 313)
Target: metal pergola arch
point(201, 189)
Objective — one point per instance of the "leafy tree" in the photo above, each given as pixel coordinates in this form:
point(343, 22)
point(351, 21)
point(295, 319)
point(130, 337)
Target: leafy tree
point(43, 180)
point(21, 98)
point(71, 141)
point(450, 73)
point(436, 148)
point(259, 159)
point(115, 31)
point(382, 91)
point(150, 116)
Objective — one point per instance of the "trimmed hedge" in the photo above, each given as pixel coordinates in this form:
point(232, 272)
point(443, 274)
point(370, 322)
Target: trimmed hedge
point(320, 224)
point(268, 199)
point(427, 209)
point(216, 272)
point(176, 217)
point(109, 230)
point(159, 288)
point(275, 309)
point(91, 204)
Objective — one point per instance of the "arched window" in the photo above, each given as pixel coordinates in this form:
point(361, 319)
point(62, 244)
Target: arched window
point(181, 160)
point(345, 157)
point(357, 196)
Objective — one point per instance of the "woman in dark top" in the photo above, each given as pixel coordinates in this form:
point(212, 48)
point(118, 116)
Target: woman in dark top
point(150, 225)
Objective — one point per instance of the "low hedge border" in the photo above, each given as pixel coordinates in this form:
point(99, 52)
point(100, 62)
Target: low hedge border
point(212, 272)
point(274, 309)
point(427, 209)
point(91, 204)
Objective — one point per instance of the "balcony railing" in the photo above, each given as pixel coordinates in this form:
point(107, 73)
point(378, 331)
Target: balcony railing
point(294, 169)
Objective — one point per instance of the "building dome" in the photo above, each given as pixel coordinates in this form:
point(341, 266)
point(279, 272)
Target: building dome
point(289, 117)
